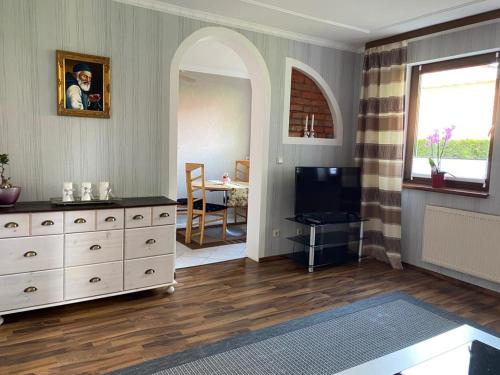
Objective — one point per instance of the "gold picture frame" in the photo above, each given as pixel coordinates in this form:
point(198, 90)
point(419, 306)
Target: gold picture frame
point(83, 85)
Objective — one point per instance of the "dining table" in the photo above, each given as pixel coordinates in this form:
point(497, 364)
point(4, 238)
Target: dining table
point(218, 185)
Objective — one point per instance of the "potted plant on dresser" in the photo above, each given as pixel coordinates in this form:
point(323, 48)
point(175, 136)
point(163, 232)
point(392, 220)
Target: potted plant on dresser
point(9, 194)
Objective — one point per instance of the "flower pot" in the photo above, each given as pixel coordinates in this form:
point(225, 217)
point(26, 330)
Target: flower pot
point(437, 180)
point(9, 196)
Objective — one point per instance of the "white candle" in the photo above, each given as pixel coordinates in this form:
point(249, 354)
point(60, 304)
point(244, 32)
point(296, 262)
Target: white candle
point(86, 192)
point(68, 192)
point(104, 190)
point(312, 123)
point(306, 133)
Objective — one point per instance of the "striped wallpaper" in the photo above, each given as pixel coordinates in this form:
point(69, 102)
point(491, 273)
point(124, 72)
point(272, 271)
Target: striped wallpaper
point(130, 149)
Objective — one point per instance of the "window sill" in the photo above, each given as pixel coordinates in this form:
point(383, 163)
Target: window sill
point(446, 190)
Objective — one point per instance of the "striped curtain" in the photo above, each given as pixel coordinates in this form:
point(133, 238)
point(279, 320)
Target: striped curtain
point(379, 149)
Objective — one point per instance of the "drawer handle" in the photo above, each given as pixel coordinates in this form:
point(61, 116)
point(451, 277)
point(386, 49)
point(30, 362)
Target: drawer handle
point(150, 241)
point(94, 280)
point(138, 217)
point(80, 220)
point(95, 247)
point(164, 214)
point(30, 254)
point(11, 225)
point(30, 289)
point(47, 223)
point(150, 271)
point(110, 219)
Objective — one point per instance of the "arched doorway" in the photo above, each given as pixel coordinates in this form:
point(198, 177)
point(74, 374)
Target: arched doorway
point(259, 124)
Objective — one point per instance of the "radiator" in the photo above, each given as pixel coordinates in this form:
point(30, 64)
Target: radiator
point(463, 241)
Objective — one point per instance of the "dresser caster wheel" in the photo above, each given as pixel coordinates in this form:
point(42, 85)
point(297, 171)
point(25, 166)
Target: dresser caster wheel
point(1, 320)
point(170, 289)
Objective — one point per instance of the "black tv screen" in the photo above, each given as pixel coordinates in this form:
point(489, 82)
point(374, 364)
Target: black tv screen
point(327, 189)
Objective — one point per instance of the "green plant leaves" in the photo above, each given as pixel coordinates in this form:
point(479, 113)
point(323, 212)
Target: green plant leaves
point(4, 159)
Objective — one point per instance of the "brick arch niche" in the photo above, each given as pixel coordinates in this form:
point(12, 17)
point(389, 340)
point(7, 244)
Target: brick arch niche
point(306, 101)
point(306, 95)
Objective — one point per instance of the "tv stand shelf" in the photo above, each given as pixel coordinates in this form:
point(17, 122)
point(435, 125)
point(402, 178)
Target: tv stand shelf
point(332, 239)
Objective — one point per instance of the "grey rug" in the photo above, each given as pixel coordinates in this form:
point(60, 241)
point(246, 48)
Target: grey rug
point(323, 343)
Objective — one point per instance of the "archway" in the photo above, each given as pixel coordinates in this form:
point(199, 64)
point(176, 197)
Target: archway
point(259, 124)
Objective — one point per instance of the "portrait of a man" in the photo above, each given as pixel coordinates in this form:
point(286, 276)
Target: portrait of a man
point(78, 85)
point(83, 85)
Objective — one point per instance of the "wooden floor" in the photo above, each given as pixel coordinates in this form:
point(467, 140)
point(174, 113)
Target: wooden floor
point(212, 302)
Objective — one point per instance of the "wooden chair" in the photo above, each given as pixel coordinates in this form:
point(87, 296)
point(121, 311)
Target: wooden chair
point(239, 198)
point(197, 206)
point(242, 170)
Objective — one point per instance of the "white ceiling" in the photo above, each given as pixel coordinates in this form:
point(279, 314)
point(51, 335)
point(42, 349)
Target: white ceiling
point(208, 56)
point(339, 23)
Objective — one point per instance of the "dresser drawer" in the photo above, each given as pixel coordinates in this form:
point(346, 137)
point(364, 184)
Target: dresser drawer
point(140, 273)
point(93, 280)
point(94, 247)
point(137, 217)
point(110, 219)
point(145, 242)
point(28, 254)
point(163, 215)
point(30, 289)
point(79, 221)
point(44, 223)
point(14, 225)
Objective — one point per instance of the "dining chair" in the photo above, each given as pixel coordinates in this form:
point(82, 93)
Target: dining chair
point(197, 205)
point(242, 170)
point(238, 199)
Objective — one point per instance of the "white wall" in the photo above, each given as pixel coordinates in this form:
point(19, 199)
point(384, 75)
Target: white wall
point(214, 125)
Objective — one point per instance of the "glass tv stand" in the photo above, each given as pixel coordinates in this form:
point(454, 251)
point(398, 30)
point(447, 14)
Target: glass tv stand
point(333, 238)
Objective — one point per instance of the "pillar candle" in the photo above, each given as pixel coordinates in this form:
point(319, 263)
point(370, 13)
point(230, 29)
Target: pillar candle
point(104, 190)
point(306, 133)
point(67, 193)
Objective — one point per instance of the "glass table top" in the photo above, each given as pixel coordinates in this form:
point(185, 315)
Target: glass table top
point(474, 358)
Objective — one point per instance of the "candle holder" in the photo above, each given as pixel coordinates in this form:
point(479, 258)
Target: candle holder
point(86, 192)
point(68, 192)
point(104, 191)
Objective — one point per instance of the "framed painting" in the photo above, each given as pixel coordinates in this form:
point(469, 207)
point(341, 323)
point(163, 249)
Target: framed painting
point(83, 85)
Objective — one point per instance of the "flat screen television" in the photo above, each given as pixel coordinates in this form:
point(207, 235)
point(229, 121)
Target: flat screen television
point(320, 190)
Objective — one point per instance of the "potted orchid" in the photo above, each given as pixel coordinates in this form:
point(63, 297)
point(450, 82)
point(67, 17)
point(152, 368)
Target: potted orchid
point(437, 142)
point(8, 193)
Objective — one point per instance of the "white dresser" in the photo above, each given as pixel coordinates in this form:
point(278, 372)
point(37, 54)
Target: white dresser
point(58, 255)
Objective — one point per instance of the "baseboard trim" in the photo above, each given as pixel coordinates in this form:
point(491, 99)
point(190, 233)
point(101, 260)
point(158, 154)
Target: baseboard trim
point(272, 258)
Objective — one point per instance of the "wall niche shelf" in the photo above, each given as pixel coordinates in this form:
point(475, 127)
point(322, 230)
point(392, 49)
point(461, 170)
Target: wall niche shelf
point(306, 94)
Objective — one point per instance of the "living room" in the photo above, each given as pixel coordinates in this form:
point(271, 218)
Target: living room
point(372, 216)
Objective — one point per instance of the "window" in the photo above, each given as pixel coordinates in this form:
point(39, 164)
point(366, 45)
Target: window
point(460, 95)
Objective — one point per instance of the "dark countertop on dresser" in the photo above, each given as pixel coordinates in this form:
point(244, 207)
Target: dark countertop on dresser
point(47, 206)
